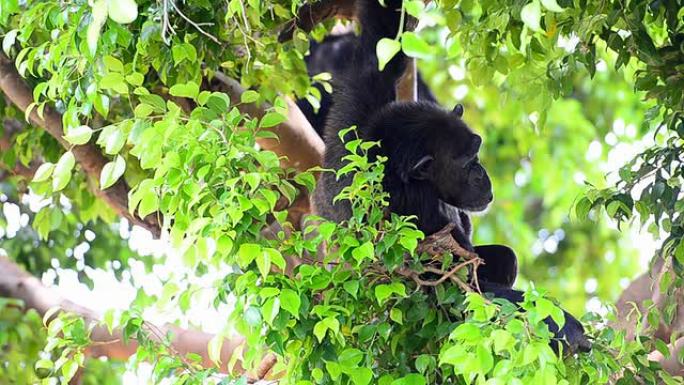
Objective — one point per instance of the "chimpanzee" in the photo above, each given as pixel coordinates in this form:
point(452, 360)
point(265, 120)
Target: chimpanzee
point(432, 172)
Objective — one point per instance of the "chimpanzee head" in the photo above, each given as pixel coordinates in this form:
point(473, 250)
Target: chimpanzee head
point(431, 146)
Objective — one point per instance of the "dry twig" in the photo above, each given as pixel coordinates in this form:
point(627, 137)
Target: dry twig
point(436, 245)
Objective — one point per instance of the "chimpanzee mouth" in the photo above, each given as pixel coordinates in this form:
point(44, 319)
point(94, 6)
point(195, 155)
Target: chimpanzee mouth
point(477, 209)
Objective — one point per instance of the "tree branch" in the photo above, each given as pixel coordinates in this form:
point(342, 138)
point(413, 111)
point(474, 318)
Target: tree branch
point(643, 288)
point(309, 15)
point(88, 156)
point(671, 364)
point(297, 140)
point(407, 87)
point(16, 283)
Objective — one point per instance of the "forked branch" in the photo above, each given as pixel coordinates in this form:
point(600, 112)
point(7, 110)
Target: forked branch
point(437, 245)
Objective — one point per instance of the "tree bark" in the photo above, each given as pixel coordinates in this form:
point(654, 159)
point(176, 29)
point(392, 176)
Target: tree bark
point(407, 87)
point(309, 15)
point(297, 140)
point(643, 288)
point(671, 364)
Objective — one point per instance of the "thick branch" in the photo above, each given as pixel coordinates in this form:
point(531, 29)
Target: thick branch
point(298, 141)
point(309, 15)
point(16, 283)
point(671, 364)
point(88, 156)
point(407, 87)
point(636, 293)
point(646, 287)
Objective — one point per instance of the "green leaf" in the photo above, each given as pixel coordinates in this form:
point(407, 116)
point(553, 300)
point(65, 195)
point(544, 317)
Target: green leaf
point(69, 370)
point(334, 369)
point(249, 96)
point(123, 11)
point(187, 90)
point(79, 135)
point(263, 261)
point(306, 179)
point(411, 379)
point(383, 291)
point(365, 251)
point(247, 253)
point(112, 171)
point(679, 251)
point(112, 139)
point(502, 340)
point(148, 204)
point(317, 374)
point(385, 50)
point(214, 348)
point(290, 301)
point(276, 258)
point(350, 357)
point(62, 173)
point(108, 319)
point(361, 376)
point(253, 316)
point(552, 5)
point(271, 119)
point(485, 359)
point(99, 16)
point(351, 287)
point(8, 41)
point(425, 362)
point(397, 316)
point(135, 79)
point(531, 15)
point(414, 7)
point(101, 103)
point(43, 172)
point(114, 81)
point(414, 46)
point(319, 330)
point(270, 309)
point(582, 209)
point(44, 368)
point(113, 64)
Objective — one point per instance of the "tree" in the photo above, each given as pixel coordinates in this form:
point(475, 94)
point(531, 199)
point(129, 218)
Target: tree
point(177, 117)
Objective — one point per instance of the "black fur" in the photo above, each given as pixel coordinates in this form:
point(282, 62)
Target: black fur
point(432, 170)
point(332, 55)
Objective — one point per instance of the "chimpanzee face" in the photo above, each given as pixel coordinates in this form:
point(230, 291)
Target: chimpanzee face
point(452, 165)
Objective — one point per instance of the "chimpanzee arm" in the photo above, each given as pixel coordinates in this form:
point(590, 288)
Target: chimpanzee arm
point(363, 89)
point(572, 333)
point(500, 264)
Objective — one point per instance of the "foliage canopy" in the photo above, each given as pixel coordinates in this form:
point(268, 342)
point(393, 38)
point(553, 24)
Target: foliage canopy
point(140, 82)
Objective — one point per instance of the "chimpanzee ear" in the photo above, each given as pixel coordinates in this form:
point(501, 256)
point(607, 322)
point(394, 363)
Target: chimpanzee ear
point(420, 169)
point(458, 110)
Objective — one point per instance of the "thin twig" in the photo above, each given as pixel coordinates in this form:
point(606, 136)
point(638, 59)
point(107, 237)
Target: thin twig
point(100, 343)
point(448, 274)
point(197, 26)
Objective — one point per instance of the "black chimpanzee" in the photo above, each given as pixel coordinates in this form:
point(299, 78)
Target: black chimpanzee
point(333, 55)
point(432, 171)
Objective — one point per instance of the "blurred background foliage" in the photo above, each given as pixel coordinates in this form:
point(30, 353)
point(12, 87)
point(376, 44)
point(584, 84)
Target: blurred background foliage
point(540, 172)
